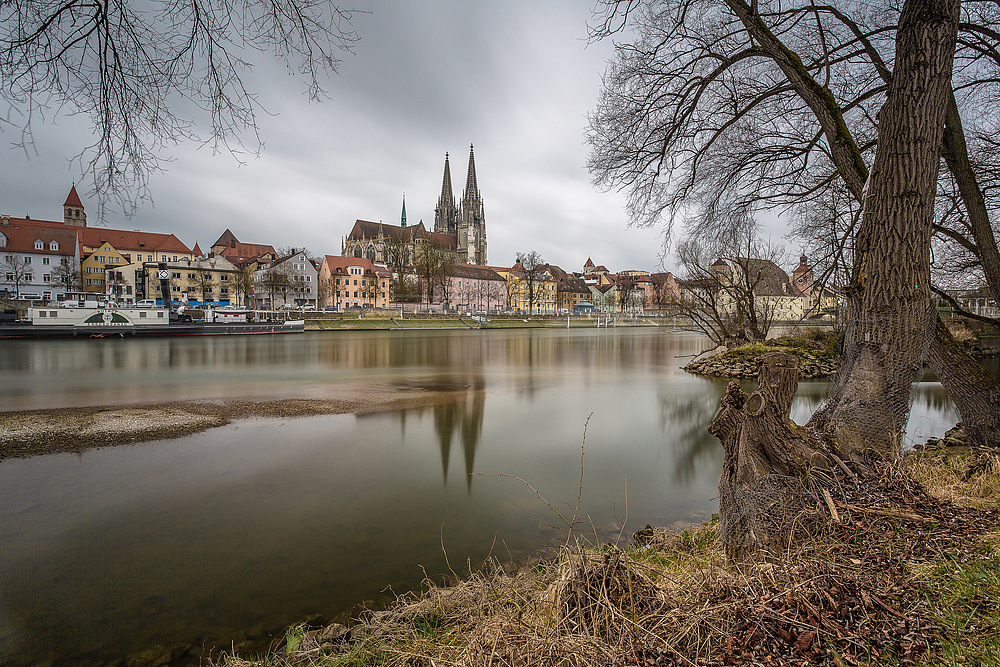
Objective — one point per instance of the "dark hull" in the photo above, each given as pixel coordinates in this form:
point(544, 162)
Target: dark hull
point(181, 329)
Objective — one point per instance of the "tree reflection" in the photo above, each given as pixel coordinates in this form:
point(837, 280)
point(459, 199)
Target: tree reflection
point(684, 416)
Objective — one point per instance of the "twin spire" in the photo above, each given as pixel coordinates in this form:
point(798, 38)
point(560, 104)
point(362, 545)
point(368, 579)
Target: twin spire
point(471, 186)
point(466, 221)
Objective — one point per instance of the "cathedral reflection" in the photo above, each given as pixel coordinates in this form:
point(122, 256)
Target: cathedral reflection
point(461, 415)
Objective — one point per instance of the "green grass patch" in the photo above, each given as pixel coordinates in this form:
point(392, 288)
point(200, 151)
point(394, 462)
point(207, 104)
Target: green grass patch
point(965, 600)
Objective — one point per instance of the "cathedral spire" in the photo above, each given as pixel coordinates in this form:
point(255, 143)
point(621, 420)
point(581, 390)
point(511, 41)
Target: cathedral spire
point(446, 213)
point(471, 186)
point(447, 195)
point(403, 217)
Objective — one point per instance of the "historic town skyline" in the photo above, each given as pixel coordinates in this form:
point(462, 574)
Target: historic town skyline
point(423, 82)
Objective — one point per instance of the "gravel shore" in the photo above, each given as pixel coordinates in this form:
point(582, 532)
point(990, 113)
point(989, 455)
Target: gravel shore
point(76, 429)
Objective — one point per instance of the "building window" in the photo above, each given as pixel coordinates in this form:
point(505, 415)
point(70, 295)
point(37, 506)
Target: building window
point(191, 276)
point(175, 258)
point(47, 278)
point(176, 274)
point(10, 277)
point(27, 260)
point(163, 258)
point(224, 277)
point(142, 314)
point(45, 261)
point(39, 245)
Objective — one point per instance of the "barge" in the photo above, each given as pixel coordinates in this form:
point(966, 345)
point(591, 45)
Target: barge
point(94, 320)
point(102, 322)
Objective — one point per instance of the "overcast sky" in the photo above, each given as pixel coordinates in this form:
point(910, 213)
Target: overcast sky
point(516, 79)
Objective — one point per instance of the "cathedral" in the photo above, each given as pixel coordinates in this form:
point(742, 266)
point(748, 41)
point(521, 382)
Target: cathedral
point(467, 220)
point(459, 227)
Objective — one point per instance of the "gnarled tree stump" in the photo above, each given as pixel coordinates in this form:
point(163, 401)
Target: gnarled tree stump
point(765, 456)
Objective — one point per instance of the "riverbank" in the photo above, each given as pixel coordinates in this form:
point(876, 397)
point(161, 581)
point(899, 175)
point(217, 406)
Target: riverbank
point(892, 574)
point(380, 321)
point(76, 429)
point(816, 351)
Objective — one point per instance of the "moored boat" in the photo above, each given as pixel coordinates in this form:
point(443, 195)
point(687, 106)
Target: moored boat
point(101, 322)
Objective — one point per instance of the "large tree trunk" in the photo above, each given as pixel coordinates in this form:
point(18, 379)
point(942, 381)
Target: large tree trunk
point(889, 314)
point(973, 390)
point(890, 318)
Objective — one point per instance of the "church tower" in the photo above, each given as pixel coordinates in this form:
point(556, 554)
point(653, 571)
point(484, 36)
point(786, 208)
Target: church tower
point(73, 213)
point(446, 214)
point(472, 219)
point(402, 219)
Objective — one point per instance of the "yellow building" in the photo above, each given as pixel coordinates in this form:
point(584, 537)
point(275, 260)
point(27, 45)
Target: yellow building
point(195, 281)
point(534, 294)
point(107, 271)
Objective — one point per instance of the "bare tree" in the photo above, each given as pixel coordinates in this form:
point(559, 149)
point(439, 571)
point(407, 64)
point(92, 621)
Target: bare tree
point(276, 279)
point(733, 288)
point(398, 256)
point(205, 283)
point(665, 292)
point(534, 270)
point(629, 293)
point(17, 270)
point(433, 266)
point(241, 283)
point(721, 64)
point(125, 66)
point(722, 105)
point(66, 275)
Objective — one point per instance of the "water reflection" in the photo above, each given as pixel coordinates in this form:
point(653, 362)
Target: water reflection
point(684, 415)
point(461, 415)
point(240, 531)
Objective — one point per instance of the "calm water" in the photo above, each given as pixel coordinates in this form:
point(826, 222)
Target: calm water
point(237, 532)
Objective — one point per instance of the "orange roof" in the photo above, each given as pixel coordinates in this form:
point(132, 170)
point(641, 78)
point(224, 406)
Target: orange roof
point(122, 239)
point(242, 251)
point(22, 234)
point(73, 199)
point(334, 262)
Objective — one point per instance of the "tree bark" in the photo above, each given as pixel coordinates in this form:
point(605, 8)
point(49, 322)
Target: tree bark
point(956, 155)
point(889, 312)
point(764, 454)
point(973, 390)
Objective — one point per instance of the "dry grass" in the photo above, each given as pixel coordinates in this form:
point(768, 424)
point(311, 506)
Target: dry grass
point(896, 577)
point(970, 479)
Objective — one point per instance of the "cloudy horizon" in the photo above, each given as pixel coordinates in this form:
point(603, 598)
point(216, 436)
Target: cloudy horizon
point(516, 82)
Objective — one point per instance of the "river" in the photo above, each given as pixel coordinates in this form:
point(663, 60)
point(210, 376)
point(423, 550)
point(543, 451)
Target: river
point(234, 533)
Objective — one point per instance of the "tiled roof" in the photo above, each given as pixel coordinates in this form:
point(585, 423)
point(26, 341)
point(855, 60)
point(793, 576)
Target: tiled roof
point(73, 199)
point(335, 262)
point(244, 251)
point(474, 271)
point(22, 233)
point(572, 284)
point(366, 229)
point(126, 240)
